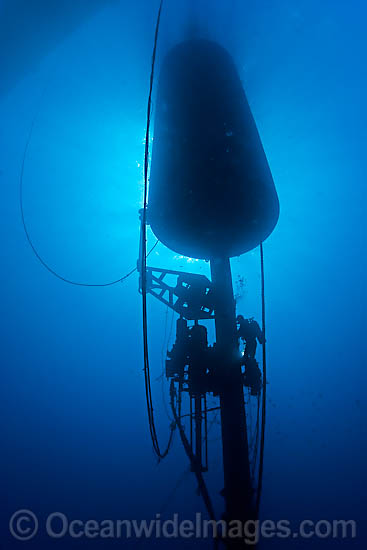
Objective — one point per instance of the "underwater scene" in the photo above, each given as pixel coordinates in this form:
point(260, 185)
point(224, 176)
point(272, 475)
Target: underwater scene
point(183, 268)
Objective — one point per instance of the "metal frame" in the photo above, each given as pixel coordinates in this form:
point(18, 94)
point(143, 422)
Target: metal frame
point(191, 298)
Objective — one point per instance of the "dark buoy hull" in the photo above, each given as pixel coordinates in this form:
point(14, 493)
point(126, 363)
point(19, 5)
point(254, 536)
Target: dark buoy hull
point(211, 191)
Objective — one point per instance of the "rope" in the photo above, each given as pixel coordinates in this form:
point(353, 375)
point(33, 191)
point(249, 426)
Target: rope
point(30, 241)
point(263, 415)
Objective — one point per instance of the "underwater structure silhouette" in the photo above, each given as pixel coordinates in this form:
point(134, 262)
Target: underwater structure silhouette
point(211, 196)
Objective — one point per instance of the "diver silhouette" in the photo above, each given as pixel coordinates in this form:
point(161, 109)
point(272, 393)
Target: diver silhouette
point(250, 332)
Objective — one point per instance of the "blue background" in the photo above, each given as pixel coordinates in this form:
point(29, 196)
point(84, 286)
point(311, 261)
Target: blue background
point(72, 410)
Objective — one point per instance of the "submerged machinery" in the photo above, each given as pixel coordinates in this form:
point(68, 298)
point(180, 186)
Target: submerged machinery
point(211, 196)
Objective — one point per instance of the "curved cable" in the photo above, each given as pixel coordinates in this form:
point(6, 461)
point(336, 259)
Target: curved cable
point(148, 389)
point(263, 414)
point(29, 239)
point(255, 446)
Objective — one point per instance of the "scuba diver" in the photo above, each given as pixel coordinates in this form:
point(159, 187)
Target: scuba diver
point(250, 332)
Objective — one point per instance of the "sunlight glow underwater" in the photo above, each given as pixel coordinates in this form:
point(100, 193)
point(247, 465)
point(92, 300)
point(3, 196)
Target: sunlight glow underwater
point(72, 380)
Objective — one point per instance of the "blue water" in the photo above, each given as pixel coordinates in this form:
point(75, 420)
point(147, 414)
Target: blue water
point(74, 430)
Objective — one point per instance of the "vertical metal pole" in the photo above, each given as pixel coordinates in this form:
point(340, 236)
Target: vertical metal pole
point(237, 478)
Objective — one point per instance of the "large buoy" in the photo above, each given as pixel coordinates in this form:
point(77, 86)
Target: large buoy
point(211, 191)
